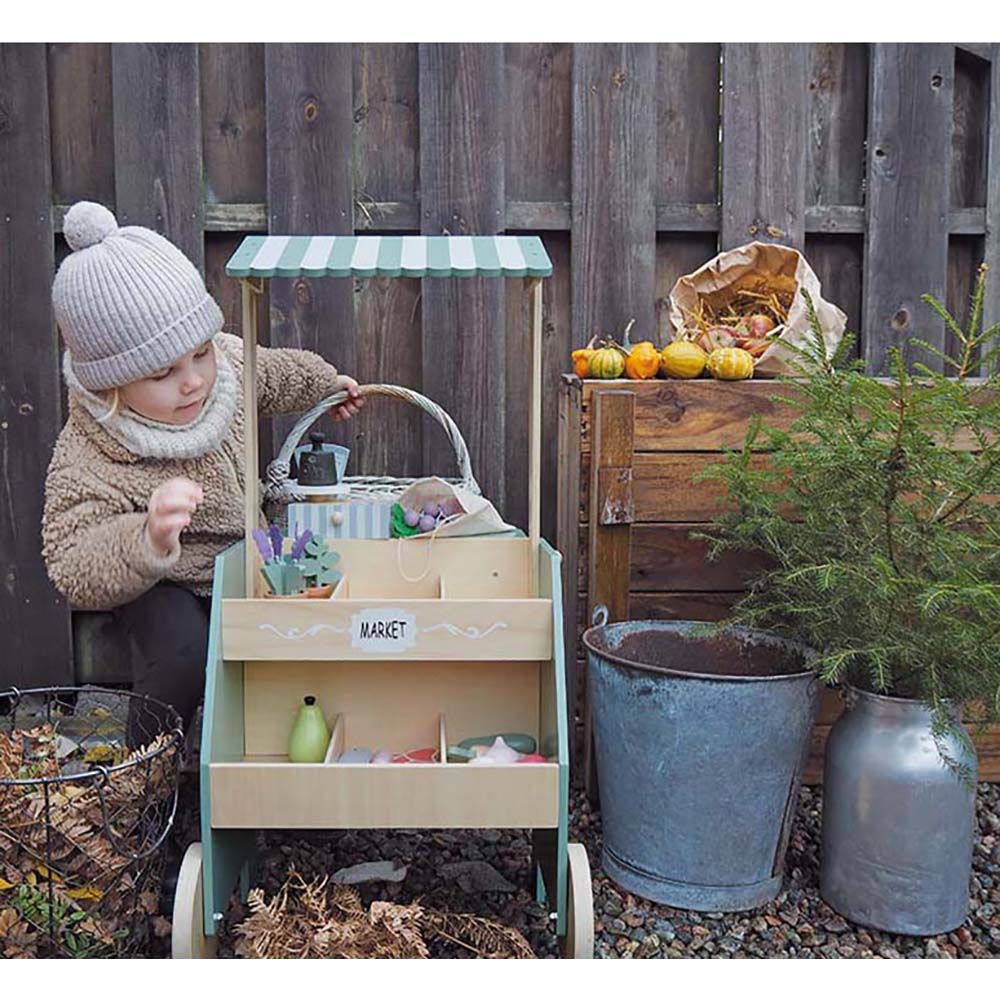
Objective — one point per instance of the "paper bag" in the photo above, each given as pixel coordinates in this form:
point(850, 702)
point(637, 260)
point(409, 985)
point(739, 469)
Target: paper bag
point(780, 267)
point(478, 517)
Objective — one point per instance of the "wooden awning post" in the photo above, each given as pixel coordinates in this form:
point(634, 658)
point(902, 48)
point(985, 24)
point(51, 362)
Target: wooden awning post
point(251, 492)
point(535, 436)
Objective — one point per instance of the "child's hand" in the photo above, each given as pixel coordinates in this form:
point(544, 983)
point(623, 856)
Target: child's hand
point(350, 406)
point(169, 512)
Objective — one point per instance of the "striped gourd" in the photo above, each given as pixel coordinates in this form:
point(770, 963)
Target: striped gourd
point(730, 363)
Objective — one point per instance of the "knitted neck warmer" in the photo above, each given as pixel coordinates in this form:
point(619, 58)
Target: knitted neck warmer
point(153, 439)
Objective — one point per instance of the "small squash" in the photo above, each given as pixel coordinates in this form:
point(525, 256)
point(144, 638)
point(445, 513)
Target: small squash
point(643, 360)
point(581, 359)
point(608, 361)
point(682, 359)
point(730, 364)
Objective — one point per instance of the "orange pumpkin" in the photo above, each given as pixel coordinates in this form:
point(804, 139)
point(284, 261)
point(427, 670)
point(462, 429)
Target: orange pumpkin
point(643, 361)
point(581, 361)
point(581, 358)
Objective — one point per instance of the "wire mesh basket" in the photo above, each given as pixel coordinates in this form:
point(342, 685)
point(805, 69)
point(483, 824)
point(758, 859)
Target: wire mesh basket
point(88, 794)
point(280, 490)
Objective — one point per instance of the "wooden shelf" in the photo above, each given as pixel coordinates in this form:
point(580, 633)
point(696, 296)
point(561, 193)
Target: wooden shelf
point(265, 790)
point(387, 628)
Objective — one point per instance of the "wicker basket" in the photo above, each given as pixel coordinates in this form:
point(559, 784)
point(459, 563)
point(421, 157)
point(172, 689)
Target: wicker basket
point(280, 490)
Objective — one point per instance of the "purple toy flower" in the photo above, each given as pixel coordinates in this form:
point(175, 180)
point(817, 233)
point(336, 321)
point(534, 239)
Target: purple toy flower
point(276, 541)
point(298, 550)
point(263, 544)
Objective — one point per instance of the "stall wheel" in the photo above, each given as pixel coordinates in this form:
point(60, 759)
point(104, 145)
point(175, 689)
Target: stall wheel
point(579, 939)
point(188, 938)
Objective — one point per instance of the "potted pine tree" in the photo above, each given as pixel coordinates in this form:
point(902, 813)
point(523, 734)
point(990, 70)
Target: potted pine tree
point(877, 510)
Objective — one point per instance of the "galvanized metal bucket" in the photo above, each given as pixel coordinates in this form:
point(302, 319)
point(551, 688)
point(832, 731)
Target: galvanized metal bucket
point(899, 824)
point(700, 740)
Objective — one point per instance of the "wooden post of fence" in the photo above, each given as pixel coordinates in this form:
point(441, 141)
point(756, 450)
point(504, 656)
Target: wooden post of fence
point(462, 191)
point(764, 131)
point(34, 618)
point(908, 196)
point(609, 517)
point(158, 148)
point(310, 190)
point(991, 306)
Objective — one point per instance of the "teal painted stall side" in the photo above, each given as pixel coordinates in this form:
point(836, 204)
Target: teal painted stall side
point(226, 853)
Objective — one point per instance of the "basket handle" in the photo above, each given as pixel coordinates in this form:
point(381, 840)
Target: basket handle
point(277, 471)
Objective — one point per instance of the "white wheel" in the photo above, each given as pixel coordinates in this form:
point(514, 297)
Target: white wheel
point(188, 938)
point(579, 939)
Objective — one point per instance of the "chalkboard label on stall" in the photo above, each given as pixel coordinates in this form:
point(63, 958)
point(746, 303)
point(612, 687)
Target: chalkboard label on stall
point(383, 630)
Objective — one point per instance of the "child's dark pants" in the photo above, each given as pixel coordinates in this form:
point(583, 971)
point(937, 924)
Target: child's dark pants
point(168, 628)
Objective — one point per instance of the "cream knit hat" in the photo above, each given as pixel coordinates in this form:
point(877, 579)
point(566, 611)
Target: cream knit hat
point(128, 302)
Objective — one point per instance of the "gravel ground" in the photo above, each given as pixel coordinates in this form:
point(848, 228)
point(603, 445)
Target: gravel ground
point(796, 925)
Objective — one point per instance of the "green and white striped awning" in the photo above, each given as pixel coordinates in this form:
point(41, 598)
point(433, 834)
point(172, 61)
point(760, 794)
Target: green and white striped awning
point(391, 256)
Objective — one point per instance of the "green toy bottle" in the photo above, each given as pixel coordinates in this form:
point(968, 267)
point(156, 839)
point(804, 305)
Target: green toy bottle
point(310, 735)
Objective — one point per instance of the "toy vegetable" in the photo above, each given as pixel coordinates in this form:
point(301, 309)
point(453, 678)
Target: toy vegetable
point(310, 735)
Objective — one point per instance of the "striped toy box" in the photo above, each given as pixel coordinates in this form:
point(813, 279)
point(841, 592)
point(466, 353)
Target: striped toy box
point(362, 519)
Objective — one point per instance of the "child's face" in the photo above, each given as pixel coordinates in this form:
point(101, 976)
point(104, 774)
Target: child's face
point(174, 395)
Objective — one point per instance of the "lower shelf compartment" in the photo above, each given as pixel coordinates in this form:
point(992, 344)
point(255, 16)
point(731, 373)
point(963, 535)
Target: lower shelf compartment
point(259, 793)
point(268, 791)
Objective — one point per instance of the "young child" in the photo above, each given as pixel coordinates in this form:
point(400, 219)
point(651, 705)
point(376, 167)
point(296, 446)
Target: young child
point(146, 482)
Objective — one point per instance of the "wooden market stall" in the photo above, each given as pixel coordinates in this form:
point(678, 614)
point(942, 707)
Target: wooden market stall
point(482, 653)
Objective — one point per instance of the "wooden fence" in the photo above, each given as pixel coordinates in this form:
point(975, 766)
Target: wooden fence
point(635, 162)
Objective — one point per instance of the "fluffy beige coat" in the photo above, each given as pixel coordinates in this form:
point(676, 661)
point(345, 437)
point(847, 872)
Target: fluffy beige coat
point(96, 491)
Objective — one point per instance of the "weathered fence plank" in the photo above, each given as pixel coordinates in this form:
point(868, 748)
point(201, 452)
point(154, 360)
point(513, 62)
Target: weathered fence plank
point(537, 167)
point(388, 437)
point(687, 165)
point(970, 131)
point(906, 253)
point(34, 618)
point(83, 165)
point(310, 190)
point(614, 171)
point(687, 124)
point(233, 122)
point(835, 167)
point(991, 252)
point(157, 127)
point(538, 159)
point(763, 137)
point(462, 191)
point(837, 111)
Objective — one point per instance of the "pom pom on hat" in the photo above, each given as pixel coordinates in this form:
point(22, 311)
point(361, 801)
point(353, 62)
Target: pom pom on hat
point(87, 223)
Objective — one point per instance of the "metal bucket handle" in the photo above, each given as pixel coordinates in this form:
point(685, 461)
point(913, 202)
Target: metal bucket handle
point(600, 616)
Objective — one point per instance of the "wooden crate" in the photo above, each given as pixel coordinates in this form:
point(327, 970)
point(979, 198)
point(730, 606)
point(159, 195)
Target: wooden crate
point(629, 454)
